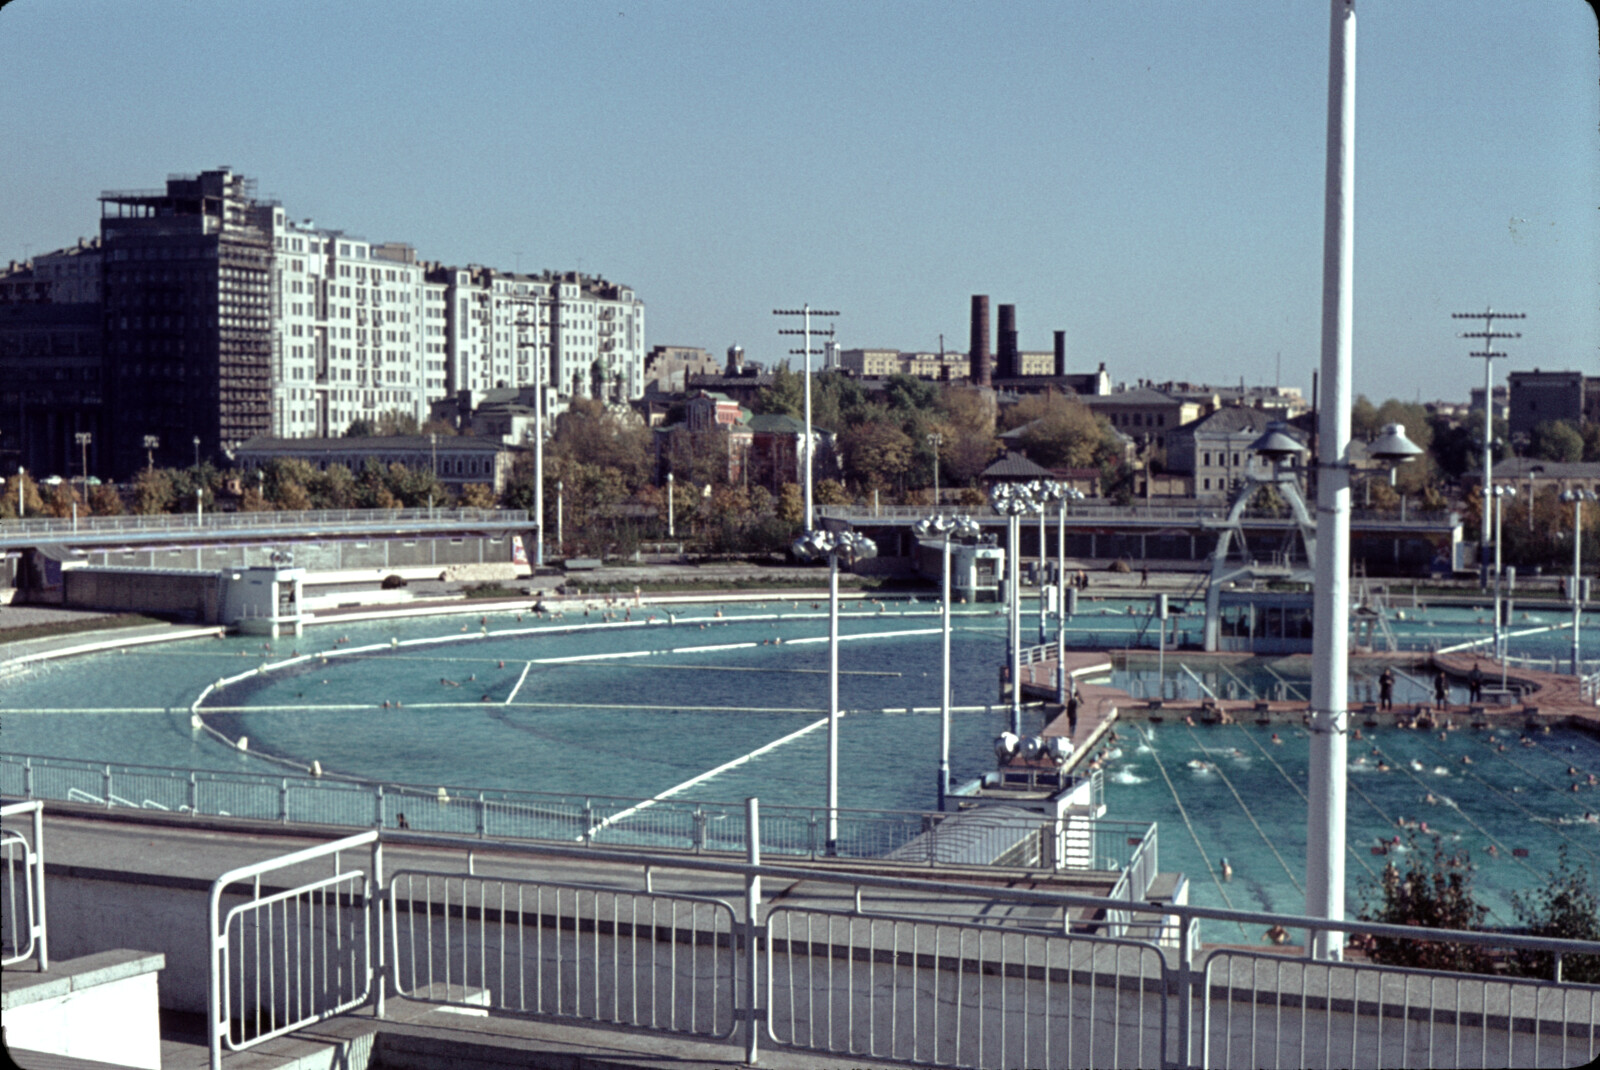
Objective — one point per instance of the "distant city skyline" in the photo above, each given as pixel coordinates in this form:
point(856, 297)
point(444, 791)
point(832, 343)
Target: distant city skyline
point(1147, 178)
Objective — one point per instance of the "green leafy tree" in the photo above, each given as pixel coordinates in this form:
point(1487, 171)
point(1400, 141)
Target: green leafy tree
point(153, 492)
point(876, 454)
point(395, 422)
point(791, 504)
point(360, 428)
point(334, 488)
point(1434, 891)
point(1568, 908)
point(1556, 440)
point(785, 395)
point(830, 492)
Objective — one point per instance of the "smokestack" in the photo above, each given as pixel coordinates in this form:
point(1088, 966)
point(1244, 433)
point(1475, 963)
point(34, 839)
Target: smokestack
point(979, 368)
point(1061, 354)
point(1007, 365)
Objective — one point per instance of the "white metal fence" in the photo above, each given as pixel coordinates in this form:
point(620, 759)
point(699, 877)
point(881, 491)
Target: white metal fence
point(865, 966)
point(23, 931)
point(284, 960)
point(604, 955)
point(1265, 1010)
point(961, 994)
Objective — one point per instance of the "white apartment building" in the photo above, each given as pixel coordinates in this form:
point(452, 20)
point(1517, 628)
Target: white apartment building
point(347, 330)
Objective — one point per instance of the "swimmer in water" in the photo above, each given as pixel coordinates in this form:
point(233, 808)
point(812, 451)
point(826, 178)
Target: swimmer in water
point(1227, 870)
point(1275, 738)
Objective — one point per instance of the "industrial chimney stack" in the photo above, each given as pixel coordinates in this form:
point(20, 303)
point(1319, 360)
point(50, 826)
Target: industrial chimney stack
point(1008, 364)
point(979, 369)
point(1061, 354)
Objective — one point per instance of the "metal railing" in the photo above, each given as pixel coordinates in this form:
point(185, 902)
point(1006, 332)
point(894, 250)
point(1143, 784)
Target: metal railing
point(668, 964)
point(947, 993)
point(907, 837)
point(870, 966)
point(23, 930)
point(287, 519)
point(282, 961)
point(1347, 1014)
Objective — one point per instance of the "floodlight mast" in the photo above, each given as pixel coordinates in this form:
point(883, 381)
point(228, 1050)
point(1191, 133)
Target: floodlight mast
point(1488, 353)
point(806, 311)
point(1325, 831)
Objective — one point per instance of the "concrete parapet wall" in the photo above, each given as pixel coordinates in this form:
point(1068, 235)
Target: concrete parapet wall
point(192, 596)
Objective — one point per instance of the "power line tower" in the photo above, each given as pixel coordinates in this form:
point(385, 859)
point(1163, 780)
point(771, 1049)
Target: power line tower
point(1488, 353)
point(807, 312)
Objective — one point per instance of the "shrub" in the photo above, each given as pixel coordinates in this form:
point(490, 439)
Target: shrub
point(1435, 892)
point(1568, 907)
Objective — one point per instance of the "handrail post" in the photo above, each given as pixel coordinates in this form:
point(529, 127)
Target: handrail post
point(27, 778)
point(194, 795)
point(1186, 996)
point(107, 786)
point(376, 884)
point(377, 807)
point(283, 800)
point(752, 929)
point(43, 937)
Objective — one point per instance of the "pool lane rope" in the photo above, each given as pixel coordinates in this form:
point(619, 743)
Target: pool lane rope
point(1217, 768)
point(1349, 847)
point(1210, 869)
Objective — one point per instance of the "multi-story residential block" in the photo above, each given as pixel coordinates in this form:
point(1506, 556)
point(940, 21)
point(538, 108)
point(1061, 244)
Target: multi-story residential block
point(1215, 449)
point(221, 319)
point(50, 363)
point(1142, 413)
point(667, 368)
point(187, 305)
point(1535, 397)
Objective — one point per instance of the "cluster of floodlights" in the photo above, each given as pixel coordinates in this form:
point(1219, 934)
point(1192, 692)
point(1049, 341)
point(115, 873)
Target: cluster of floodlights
point(1579, 494)
point(817, 545)
point(1015, 499)
point(939, 527)
point(1008, 745)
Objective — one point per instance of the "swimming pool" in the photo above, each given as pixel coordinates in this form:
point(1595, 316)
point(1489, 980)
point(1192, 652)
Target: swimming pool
point(638, 707)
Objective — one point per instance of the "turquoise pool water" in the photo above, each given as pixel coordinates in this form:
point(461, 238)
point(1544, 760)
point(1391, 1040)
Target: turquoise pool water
point(634, 708)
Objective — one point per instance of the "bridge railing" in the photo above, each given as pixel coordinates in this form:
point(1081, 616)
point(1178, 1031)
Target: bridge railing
point(298, 519)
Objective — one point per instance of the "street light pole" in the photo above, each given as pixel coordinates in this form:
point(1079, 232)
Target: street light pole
point(1577, 497)
point(1501, 492)
point(672, 527)
point(945, 527)
point(197, 452)
point(814, 545)
point(560, 494)
point(83, 439)
point(935, 440)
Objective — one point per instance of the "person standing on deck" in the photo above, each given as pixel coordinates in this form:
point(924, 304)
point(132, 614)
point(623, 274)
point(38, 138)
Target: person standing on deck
point(1441, 690)
point(1475, 683)
point(1386, 690)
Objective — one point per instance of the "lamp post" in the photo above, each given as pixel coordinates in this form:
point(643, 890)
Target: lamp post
point(561, 487)
point(83, 438)
point(1499, 493)
point(672, 526)
point(1011, 500)
point(151, 444)
point(1044, 491)
point(1577, 497)
point(22, 505)
point(1075, 495)
point(935, 440)
point(945, 527)
point(197, 452)
point(813, 546)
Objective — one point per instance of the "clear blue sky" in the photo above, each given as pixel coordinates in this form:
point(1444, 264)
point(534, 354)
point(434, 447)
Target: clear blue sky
point(1146, 176)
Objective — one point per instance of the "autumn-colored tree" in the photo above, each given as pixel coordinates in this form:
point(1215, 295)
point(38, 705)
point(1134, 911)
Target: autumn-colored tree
point(1060, 431)
point(105, 501)
point(830, 492)
point(477, 496)
point(1434, 891)
point(253, 501)
point(876, 453)
point(60, 499)
point(791, 504)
